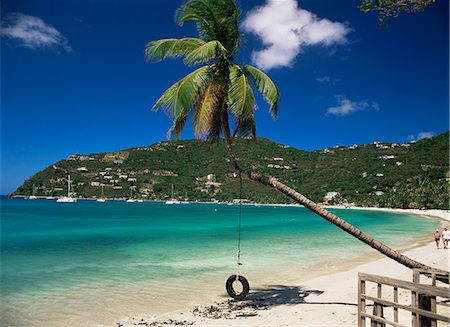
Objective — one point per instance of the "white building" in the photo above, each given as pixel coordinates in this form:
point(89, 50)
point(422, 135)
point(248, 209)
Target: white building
point(331, 195)
point(385, 157)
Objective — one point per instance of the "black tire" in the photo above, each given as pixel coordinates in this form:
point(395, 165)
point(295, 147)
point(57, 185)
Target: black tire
point(230, 290)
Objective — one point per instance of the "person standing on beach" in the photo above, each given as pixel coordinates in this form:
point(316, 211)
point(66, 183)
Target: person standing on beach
point(437, 238)
point(446, 237)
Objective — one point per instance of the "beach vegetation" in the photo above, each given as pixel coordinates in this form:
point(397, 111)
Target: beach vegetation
point(393, 8)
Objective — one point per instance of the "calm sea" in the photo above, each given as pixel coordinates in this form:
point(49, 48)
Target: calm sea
point(89, 263)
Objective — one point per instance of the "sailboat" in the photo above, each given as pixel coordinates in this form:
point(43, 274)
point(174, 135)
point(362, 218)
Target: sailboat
point(68, 198)
point(172, 199)
point(32, 196)
point(102, 198)
point(185, 201)
point(131, 196)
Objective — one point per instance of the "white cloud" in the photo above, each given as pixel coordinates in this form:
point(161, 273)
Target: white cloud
point(425, 135)
point(327, 79)
point(32, 32)
point(421, 135)
point(345, 106)
point(285, 29)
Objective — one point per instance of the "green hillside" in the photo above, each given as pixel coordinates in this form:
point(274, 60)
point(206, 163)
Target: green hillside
point(411, 175)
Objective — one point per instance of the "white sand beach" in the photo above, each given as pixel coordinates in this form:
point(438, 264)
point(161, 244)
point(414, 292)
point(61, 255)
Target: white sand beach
point(328, 300)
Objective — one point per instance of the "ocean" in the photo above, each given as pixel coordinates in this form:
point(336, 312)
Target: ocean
point(90, 263)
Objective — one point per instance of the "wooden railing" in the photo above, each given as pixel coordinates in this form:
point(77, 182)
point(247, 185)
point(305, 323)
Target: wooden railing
point(423, 307)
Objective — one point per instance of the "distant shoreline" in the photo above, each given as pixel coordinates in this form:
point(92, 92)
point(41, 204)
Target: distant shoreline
point(436, 213)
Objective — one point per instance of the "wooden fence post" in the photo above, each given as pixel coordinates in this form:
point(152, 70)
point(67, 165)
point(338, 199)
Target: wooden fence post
point(424, 302)
point(378, 309)
point(361, 302)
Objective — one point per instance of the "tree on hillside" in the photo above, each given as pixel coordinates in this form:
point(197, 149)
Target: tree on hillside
point(220, 100)
point(393, 8)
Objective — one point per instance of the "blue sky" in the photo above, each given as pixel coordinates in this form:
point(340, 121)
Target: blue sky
point(74, 78)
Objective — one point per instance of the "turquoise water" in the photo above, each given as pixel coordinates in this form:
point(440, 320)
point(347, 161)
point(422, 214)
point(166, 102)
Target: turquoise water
point(87, 263)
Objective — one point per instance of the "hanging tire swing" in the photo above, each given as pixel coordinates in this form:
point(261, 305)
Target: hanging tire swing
point(238, 278)
point(232, 292)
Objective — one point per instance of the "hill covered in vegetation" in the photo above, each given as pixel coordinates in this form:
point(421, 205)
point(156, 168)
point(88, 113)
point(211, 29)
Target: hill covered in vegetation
point(413, 175)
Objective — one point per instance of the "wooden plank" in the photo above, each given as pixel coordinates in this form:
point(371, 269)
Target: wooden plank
point(415, 299)
point(377, 308)
point(415, 318)
point(407, 308)
point(416, 276)
point(382, 320)
point(423, 289)
point(428, 272)
point(396, 301)
point(442, 277)
point(361, 303)
point(433, 301)
point(433, 308)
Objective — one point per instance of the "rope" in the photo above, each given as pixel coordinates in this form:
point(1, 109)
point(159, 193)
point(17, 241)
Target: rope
point(239, 227)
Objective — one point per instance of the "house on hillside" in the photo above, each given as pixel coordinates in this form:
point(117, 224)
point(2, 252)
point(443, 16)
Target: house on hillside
point(330, 196)
point(385, 157)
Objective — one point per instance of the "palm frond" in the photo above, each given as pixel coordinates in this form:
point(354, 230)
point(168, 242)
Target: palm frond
point(216, 123)
point(199, 11)
point(267, 88)
point(247, 127)
point(180, 98)
point(241, 101)
point(166, 48)
point(177, 127)
point(206, 52)
point(203, 112)
point(215, 19)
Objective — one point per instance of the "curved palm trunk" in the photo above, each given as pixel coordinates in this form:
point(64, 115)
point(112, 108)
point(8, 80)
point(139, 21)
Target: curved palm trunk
point(332, 218)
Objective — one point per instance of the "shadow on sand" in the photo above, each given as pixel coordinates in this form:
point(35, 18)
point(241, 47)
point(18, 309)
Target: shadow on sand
point(281, 295)
point(262, 299)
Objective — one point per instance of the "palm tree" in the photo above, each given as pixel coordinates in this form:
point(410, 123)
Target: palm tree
point(222, 88)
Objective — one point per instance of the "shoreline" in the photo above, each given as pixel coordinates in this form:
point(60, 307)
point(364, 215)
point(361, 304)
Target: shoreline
point(296, 303)
point(443, 214)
